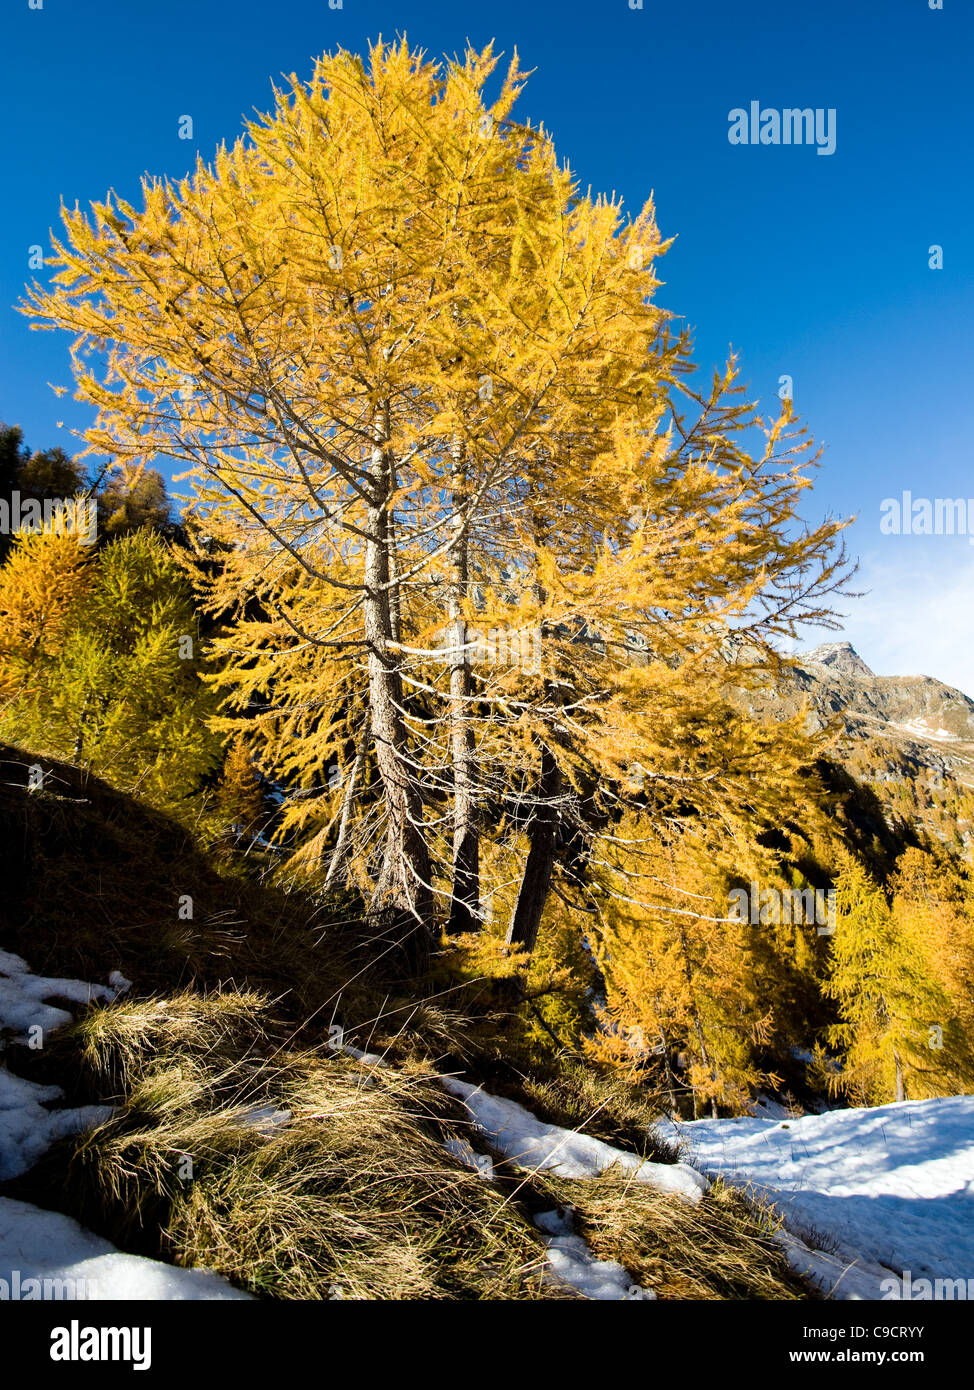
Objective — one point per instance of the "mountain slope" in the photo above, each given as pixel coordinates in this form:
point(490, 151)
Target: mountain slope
point(910, 737)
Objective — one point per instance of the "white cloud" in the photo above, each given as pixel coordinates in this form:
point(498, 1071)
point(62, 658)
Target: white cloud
point(917, 617)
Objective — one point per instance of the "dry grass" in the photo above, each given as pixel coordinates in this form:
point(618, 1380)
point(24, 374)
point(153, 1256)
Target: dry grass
point(355, 1192)
point(597, 1101)
point(720, 1248)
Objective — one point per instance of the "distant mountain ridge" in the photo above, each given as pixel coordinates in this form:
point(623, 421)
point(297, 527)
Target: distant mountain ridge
point(909, 737)
point(932, 721)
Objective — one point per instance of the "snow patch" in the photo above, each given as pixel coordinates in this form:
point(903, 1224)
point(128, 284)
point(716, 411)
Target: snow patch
point(36, 1245)
point(919, 728)
point(265, 1119)
point(837, 1279)
point(369, 1059)
point(27, 1127)
point(573, 1263)
point(526, 1141)
point(46, 1246)
point(891, 1187)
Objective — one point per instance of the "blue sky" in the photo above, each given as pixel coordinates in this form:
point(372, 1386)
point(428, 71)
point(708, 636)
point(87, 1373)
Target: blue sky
point(812, 266)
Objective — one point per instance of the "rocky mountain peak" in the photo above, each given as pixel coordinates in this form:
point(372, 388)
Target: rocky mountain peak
point(840, 656)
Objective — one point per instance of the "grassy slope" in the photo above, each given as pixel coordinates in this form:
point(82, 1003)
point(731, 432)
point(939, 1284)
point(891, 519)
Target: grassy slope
point(230, 1010)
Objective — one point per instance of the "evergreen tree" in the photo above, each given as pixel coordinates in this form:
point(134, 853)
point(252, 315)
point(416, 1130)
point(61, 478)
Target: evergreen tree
point(426, 390)
point(131, 498)
point(239, 796)
point(13, 456)
point(682, 996)
point(48, 476)
point(43, 587)
point(887, 995)
point(933, 908)
point(101, 665)
point(51, 476)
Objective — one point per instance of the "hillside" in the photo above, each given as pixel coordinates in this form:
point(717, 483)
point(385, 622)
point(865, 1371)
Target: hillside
point(929, 723)
point(185, 1134)
point(204, 1110)
point(911, 738)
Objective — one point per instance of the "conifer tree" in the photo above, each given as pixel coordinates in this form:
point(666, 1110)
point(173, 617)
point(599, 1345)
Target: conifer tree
point(239, 797)
point(887, 995)
point(933, 909)
point(130, 498)
point(682, 995)
point(42, 588)
point(101, 664)
point(13, 456)
point(424, 387)
point(50, 475)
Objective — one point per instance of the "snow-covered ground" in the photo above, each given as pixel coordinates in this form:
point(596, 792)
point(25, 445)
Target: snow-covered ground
point(888, 1192)
point(889, 1188)
point(521, 1138)
point(574, 1263)
point(513, 1131)
point(919, 728)
point(44, 1255)
point(527, 1141)
point(27, 1127)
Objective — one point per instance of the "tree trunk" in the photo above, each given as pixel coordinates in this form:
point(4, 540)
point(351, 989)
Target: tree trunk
point(536, 881)
point(671, 1082)
point(697, 1027)
point(543, 824)
point(465, 903)
point(404, 881)
point(338, 853)
point(395, 622)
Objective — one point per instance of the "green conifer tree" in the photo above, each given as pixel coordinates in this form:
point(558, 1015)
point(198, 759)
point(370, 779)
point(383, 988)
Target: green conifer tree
point(115, 682)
